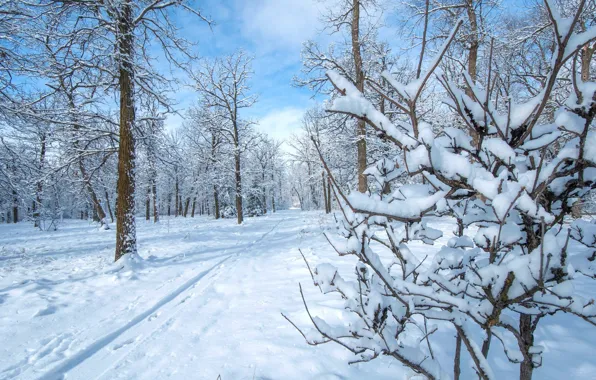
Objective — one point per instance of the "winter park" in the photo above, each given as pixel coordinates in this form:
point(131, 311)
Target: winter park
point(297, 189)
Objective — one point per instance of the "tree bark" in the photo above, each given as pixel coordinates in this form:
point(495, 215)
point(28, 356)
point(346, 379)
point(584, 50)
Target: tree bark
point(329, 194)
point(474, 42)
point(109, 206)
point(15, 207)
point(586, 58)
point(126, 240)
point(186, 205)
point(154, 194)
point(176, 195)
point(361, 128)
point(238, 174)
point(238, 189)
point(272, 193)
point(457, 358)
point(148, 203)
point(325, 195)
point(92, 194)
point(216, 202)
point(526, 368)
point(264, 197)
point(170, 204)
point(38, 201)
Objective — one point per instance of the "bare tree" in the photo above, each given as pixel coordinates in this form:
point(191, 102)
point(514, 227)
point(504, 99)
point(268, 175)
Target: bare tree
point(500, 176)
point(224, 85)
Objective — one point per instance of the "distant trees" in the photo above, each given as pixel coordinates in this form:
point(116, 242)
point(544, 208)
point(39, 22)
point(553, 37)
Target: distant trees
point(223, 84)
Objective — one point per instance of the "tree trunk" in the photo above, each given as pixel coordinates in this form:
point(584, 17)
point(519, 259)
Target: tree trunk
point(361, 128)
point(216, 202)
point(474, 42)
point(154, 193)
point(126, 240)
point(273, 202)
point(457, 358)
point(186, 205)
point(109, 206)
point(238, 186)
point(15, 207)
point(92, 194)
point(325, 194)
point(587, 53)
point(95, 216)
point(329, 194)
point(148, 203)
point(272, 193)
point(169, 204)
point(38, 201)
point(311, 186)
point(472, 57)
point(176, 195)
point(526, 331)
point(194, 204)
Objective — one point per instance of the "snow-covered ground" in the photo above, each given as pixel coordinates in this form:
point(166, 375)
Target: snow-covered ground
point(205, 302)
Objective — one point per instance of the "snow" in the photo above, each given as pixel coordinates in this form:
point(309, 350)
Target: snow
point(205, 300)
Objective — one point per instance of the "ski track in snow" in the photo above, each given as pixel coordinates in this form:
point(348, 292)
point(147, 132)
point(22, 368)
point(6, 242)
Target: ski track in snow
point(129, 328)
point(205, 302)
point(130, 335)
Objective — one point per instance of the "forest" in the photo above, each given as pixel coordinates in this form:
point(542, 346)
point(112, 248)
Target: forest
point(297, 189)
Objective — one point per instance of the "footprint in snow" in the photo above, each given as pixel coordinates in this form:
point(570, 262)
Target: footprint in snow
point(118, 346)
point(47, 311)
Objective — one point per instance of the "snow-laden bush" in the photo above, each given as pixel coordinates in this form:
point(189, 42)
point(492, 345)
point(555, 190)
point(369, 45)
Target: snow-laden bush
point(509, 175)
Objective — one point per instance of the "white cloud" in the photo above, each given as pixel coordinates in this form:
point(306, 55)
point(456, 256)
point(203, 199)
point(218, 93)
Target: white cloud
point(281, 124)
point(283, 24)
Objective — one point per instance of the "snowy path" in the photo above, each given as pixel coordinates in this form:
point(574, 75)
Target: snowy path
point(206, 302)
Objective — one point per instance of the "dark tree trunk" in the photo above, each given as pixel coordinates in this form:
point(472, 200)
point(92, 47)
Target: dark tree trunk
point(148, 203)
point(15, 207)
point(92, 194)
point(177, 190)
point(457, 358)
point(264, 194)
point(329, 194)
point(109, 206)
point(38, 201)
point(272, 193)
point(186, 205)
point(273, 202)
point(194, 204)
point(154, 193)
point(216, 202)
point(526, 330)
point(169, 204)
point(126, 239)
point(238, 189)
point(94, 216)
point(325, 195)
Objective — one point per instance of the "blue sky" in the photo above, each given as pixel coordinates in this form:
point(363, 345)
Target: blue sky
point(273, 32)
